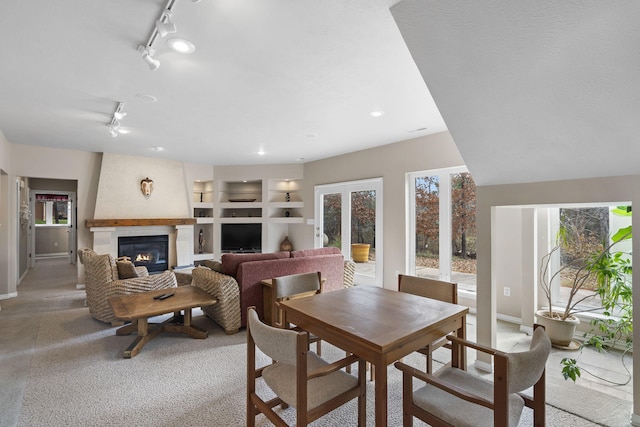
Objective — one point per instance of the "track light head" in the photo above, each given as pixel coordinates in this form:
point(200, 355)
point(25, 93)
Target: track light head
point(120, 113)
point(113, 128)
point(166, 27)
point(147, 53)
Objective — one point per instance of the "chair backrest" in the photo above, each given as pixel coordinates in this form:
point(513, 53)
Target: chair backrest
point(429, 288)
point(296, 284)
point(277, 343)
point(526, 368)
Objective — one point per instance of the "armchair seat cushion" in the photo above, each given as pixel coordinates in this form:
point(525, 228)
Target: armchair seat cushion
point(458, 411)
point(281, 378)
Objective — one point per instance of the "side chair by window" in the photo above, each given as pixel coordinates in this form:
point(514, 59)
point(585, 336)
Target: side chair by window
point(298, 377)
point(435, 289)
point(455, 397)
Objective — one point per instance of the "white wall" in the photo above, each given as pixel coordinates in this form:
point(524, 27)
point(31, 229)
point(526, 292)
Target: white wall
point(391, 162)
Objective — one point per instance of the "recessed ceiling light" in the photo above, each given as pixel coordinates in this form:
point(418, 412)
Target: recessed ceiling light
point(122, 130)
point(181, 45)
point(376, 113)
point(261, 152)
point(146, 97)
point(157, 148)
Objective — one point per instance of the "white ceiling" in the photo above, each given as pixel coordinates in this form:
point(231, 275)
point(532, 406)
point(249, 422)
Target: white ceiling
point(295, 78)
point(532, 90)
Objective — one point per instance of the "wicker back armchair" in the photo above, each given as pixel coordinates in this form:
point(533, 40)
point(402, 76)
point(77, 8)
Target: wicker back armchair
point(102, 281)
point(225, 289)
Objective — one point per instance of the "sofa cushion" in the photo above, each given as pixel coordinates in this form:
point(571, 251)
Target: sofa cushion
point(330, 250)
point(126, 270)
point(213, 265)
point(230, 262)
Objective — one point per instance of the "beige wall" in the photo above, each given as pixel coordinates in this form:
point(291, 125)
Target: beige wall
point(51, 240)
point(7, 216)
point(391, 162)
point(119, 194)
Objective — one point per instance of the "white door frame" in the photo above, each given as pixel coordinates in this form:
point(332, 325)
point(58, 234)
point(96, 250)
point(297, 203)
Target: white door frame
point(345, 189)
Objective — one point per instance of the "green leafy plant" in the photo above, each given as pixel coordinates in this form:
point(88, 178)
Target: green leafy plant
point(614, 329)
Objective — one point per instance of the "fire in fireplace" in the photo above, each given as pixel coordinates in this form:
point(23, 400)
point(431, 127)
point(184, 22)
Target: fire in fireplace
point(149, 251)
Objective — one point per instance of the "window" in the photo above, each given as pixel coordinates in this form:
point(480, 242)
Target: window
point(52, 209)
point(442, 226)
point(349, 217)
point(586, 230)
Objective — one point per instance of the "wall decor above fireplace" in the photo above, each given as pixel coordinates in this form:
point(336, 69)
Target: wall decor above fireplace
point(146, 186)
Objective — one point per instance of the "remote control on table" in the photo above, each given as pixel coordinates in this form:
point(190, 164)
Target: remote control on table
point(165, 296)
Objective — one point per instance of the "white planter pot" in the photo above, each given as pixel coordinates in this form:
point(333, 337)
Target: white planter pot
point(559, 331)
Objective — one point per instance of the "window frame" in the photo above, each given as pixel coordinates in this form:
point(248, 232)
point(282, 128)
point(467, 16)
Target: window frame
point(445, 211)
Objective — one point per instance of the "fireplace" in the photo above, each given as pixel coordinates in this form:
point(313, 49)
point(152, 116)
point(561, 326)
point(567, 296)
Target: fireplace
point(149, 251)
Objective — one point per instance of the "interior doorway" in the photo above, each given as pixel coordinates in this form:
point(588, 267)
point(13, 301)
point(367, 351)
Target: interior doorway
point(50, 217)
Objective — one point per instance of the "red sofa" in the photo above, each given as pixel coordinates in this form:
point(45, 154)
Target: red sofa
point(250, 269)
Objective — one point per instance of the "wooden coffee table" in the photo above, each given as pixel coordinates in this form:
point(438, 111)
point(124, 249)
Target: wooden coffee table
point(138, 308)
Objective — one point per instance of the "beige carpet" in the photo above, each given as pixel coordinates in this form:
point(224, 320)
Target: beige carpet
point(79, 378)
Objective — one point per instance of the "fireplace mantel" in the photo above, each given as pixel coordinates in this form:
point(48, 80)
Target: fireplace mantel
point(146, 222)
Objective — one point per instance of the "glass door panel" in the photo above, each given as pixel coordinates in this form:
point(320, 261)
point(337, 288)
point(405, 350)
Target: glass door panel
point(332, 220)
point(363, 231)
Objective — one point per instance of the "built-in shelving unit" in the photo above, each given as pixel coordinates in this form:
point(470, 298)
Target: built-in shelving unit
point(202, 205)
point(226, 197)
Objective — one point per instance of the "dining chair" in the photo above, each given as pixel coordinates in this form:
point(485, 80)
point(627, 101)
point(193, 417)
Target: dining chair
point(455, 397)
point(298, 377)
point(435, 289)
point(290, 287)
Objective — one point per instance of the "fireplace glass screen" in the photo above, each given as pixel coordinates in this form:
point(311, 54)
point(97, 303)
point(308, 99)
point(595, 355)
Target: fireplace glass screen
point(149, 251)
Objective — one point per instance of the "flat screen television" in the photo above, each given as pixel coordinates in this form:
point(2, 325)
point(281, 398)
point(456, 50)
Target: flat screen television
point(241, 237)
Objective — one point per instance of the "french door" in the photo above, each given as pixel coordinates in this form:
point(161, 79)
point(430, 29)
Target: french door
point(349, 217)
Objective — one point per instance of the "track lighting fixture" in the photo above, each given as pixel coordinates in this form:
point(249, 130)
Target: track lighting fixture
point(164, 25)
point(147, 56)
point(120, 113)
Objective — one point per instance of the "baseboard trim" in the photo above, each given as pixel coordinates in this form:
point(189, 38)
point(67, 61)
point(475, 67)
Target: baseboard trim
point(483, 366)
point(9, 295)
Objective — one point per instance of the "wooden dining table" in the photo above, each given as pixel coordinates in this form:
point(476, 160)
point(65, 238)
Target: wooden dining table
point(379, 325)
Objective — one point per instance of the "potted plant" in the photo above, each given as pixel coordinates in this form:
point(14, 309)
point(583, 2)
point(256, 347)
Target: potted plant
point(561, 323)
point(360, 252)
point(614, 329)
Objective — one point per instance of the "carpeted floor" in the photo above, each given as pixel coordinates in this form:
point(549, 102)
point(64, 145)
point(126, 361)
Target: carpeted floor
point(78, 377)
point(70, 372)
